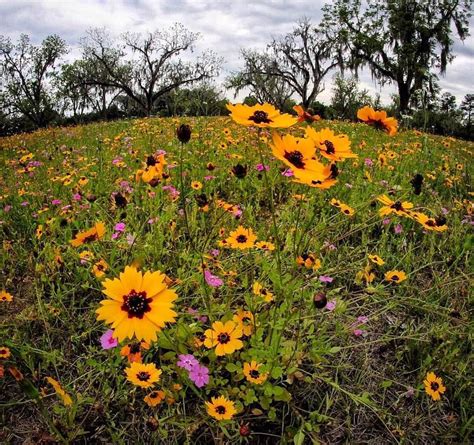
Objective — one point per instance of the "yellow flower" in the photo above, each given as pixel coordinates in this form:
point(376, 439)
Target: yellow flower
point(366, 274)
point(395, 276)
point(143, 375)
point(241, 238)
point(323, 179)
point(39, 231)
point(347, 210)
point(100, 268)
point(331, 146)
point(245, 320)
point(224, 336)
point(93, 234)
point(82, 181)
point(262, 116)
point(60, 391)
point(305, 116)
point(309, 261)
point(397, 207)
point(221, 408)
point(5, 296)
point(265, 245)
point(296, 153)
point(376, 260)
point(434, 386)
point(434, 224)
point(86, 256)
point(378, 119)
point(154, 398)
point(196, 185)
point(139, 305)
point(259, 290)
point(4, 352)
point(252, 373)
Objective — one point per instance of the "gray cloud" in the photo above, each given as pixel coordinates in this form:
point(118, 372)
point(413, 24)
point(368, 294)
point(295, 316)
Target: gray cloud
point(225, 26)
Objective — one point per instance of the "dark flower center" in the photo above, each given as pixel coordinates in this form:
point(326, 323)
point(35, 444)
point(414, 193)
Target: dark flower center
point(153, 395)
point(220, 409)
point(239, 171)
point(379, 124)
point(260, 117)
point(431, 223)
point(329, 147)
point(254, 374)
point(202, 200)
point(90, 238)
point(295, 158)
point(120, 200)
point(334, 171)
point(395, 278)
point(241, 239)
point(397, 206)
point(143, 376)
point(136, 304)
point(134, 348)
point(223, 338)
point(434, 386)
point(150, 160)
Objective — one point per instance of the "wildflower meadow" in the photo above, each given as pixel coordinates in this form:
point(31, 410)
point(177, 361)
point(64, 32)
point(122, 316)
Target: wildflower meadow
point(263, 277)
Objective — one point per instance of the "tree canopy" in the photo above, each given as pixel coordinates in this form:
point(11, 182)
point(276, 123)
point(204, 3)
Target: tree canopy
point(400, 41)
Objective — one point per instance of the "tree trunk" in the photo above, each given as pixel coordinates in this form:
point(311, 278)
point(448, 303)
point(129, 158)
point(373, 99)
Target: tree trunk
point(404, 95)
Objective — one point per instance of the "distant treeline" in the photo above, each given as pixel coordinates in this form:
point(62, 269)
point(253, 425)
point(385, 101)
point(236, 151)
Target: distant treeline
point(401, 42)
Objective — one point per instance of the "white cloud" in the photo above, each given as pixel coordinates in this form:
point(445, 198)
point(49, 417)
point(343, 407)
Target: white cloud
point(226, 26)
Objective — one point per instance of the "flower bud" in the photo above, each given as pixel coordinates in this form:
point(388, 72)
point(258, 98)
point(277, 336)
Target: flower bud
point(244, 430)
point(320, 300)
point(184, 133)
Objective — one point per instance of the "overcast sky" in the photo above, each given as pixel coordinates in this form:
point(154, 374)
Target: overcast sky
point(225, 25)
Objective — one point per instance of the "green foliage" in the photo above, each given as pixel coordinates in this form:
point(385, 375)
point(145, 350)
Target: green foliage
point(350, 371)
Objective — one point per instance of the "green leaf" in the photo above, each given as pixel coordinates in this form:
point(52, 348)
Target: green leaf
point(277, 372)
point(298, 439)
point(231, 367)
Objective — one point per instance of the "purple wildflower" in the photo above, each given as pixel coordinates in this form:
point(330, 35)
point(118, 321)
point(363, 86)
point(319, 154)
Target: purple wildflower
point(119, 227)
point(107, 340)
point(212, 280)
point(325, 279)
point(199, 375)
point(187, 361)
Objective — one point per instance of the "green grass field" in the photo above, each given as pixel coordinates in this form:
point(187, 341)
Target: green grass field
point(344, 352)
